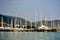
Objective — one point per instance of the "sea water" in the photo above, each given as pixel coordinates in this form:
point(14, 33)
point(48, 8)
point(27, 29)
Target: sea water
point(29, 35)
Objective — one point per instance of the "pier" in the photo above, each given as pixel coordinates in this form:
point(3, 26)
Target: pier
point(30, 30)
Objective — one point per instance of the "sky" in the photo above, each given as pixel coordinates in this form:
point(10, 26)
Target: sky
point(27, 9)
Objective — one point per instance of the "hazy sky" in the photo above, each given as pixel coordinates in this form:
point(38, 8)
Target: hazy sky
point(27, 8)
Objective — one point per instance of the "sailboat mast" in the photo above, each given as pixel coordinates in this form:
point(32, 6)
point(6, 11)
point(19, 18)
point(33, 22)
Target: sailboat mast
point(41, 19)
point(15, 21)
point(53, 21)
point(58, 23)
point(2, 22)
point(25, 23)
point(8, 22)
point(31, 24)
point(11, 23)
point(45, 21)
point(35, 20)
point(20, 23)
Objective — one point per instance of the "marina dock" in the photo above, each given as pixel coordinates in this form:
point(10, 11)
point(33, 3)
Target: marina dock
point(29, 30)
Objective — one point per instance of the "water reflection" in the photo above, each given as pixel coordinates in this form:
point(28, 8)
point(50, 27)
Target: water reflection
point(29, 36)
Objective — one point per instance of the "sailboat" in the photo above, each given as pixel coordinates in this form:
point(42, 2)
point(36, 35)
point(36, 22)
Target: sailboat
point(42, 26)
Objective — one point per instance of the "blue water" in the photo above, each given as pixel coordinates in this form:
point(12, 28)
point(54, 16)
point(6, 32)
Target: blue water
point(29, 35)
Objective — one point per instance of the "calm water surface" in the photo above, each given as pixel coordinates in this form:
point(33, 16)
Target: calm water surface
point(29, 35)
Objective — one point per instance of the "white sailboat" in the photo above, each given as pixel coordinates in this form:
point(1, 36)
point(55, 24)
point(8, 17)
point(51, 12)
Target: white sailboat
point(42, 26)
